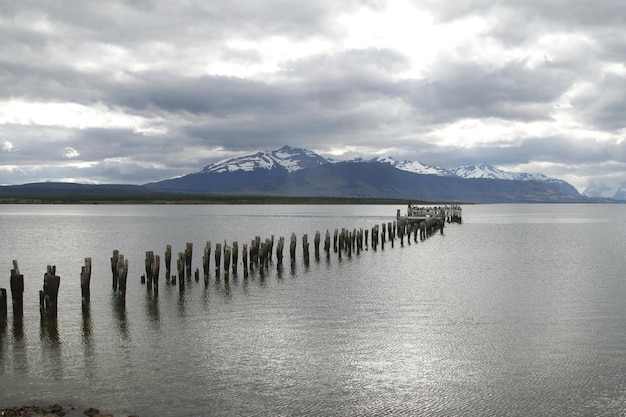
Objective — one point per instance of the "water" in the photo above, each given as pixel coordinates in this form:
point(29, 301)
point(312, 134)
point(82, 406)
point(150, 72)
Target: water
point(519, 311)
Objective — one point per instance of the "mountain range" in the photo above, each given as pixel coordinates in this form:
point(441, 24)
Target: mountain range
point(297, 172)
point(292, 171)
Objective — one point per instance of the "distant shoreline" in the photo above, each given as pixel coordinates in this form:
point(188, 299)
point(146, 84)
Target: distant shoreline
point(187, 199)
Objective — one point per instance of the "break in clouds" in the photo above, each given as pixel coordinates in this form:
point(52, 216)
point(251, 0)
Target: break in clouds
point(132, 92)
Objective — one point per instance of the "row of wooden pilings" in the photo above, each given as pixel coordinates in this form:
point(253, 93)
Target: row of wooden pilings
point(258, 254)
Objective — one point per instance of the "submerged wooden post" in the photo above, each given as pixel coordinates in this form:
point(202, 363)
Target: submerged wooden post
point(292, 248)
point(85, 281)
point(168, 262)
point(279, 251)
point(48, 298)
point(218, 257)
point(335, 240)
point(156, 268)
point(4, 312)
point(305, 248)
point(148, 267)
point(235, 256)
point(327, 242)
point(180, 264)
point(188, 257)
point(244, 256)
point(114, 270)
point(122, 273)
point(316, 244)
point(206, 261)
point(227, 258)
point(17, 291)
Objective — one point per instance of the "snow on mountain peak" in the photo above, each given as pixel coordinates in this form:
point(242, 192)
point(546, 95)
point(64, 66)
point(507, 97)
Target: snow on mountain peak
point(415, 167)
point(288, 158)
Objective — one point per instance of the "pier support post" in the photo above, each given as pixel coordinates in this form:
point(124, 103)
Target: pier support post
point(85, 281)
point(114, 262)
point(235, 256)
point(3, 304)
point(168, 263)
point(218, 258)
point(17, 291)
point(244, 259)
point(206, 261)
point(48, 298)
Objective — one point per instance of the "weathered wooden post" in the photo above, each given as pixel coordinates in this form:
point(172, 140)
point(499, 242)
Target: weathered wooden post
point(180, 266)
point(266, 253)
point(218, 257)
point(235, 256)
point(244, 258)
point(336, 240)
point(279, 251)
point(114, 262)
point(327, 242)
point(206, 261)
point(4, 303)
point(316, 245)
point(168, 262)
point(17, 291)
point(305, 248)
point(122, 274)
point(254, 250)
point(85, 280)
point(148, 267)
point(227, 258)
point(188, 258)
point(156, 268)
point(292, 248)
point(48, 298)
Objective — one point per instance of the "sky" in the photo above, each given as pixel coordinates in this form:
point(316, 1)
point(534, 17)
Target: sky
point(137, 91)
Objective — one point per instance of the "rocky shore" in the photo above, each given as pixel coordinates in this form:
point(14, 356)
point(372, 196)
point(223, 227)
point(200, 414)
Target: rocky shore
point(55, 410)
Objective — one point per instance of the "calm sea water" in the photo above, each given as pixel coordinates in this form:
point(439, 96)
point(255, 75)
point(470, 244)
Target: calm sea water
point(521, 310)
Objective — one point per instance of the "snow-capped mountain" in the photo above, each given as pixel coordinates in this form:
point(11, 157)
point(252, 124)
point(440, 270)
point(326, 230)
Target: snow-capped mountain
point(413, 166)
point(299, 172)
point(288, 158)
point(614, 191)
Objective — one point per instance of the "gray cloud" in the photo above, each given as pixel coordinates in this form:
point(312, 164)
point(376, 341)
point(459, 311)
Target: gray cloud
point(548, 75)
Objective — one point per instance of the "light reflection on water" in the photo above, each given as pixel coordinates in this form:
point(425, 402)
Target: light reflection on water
point(496, 316)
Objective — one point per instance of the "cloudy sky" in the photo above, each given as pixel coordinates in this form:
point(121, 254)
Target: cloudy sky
point(140, 90)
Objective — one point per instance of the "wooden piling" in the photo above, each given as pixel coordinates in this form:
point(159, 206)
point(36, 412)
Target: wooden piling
point(17, 291)
point(327, 242)
point(316, 244)
point(279, 251)
point(292, 248)
point(218, 257)
point(168, 262)
point(4, 303)
point(305, 248)
point(244, 258)
point(227, 258)
point(114, 269)
point(236, 256)
point(206, 261)
point(149, 260)
point(122, 273)
point(85, 281)
point(48, 298)
point(188, 258)
point(180, 266)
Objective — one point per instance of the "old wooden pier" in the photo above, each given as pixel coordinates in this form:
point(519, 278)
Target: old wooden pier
point(418, 221)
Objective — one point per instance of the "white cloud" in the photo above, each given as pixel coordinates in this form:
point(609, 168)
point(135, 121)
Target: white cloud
point(70, 153)
point(7, 146)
